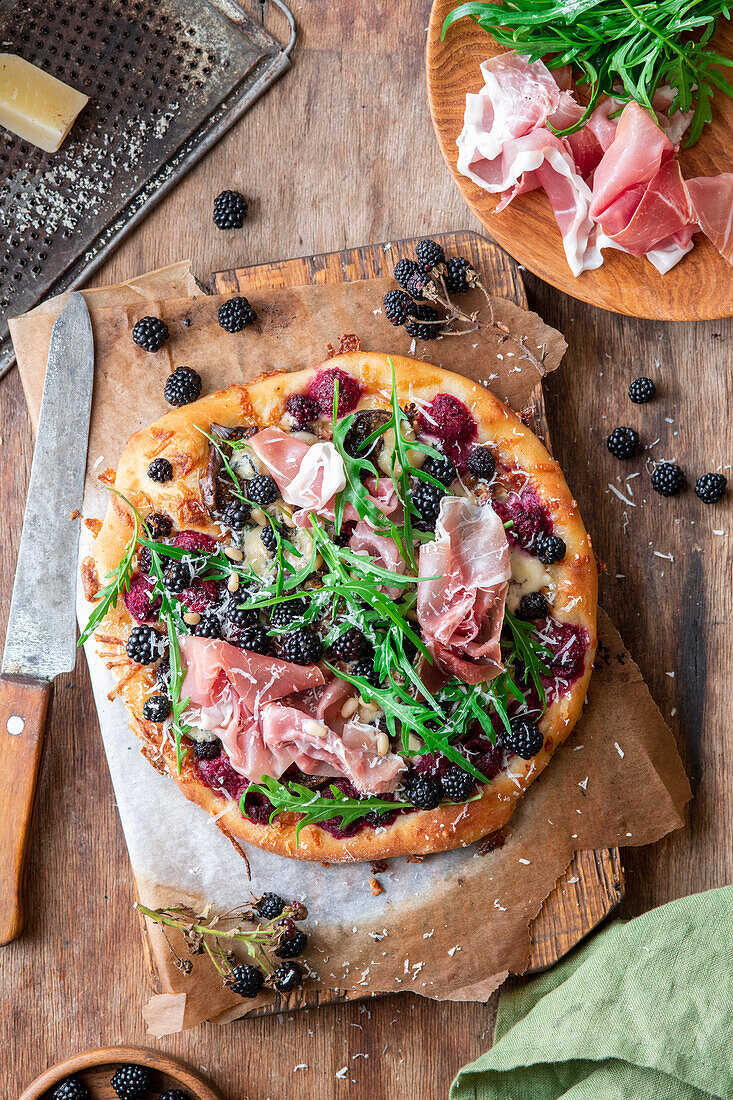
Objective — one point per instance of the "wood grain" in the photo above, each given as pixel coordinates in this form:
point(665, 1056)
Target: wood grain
point(698, 288)
point(340, 152)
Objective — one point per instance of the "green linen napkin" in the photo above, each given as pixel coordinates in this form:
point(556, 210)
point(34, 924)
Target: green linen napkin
point(643, 1011)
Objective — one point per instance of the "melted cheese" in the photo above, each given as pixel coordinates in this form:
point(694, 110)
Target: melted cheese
point(528, 575)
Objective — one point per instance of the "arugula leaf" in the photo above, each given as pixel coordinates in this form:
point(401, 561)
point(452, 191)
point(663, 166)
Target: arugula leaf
point(117, 586)
point(174, 624)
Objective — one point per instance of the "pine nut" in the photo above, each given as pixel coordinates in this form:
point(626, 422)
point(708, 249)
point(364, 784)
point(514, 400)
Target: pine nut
point(349, 707)
point(258, 516)
point(233, 582)
point(233, 553)
point(192, 617)
point(315, 729)
point(382, 744)
point(414, 743)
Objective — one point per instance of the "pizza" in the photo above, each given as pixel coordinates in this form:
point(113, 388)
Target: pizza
point(351, 610)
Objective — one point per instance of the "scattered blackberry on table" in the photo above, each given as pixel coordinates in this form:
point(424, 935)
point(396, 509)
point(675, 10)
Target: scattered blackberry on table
point(283, 613)
point(255, 639)
point(248, 980)
point(667, 479)
point(269, 906)
point(269, 538)
point(481, 463)
point(304, 410)
point(208, 626)
point(403, 269)
point(287, 976)
point(642, 390)
point(150, 333)
point(423, 792)
point(177, 576)
point(429, 254)
point(71, 1089)
point(550, 549)
point(262, 490)
point(426, 498)
point(525, 738)
point(349, 646)
point(533, 606)
point(236, 314)
point(236, 514)
point(156, 708)
point(292, 947)
point(458, 784)
point(131, 1082)
point(366, 670)
point(416, 285)
point(158, 525)
point(182, 387)
point(240, 617)
point(710, 487)
point(160, 470)
point(397, 306)
point(173, 1094)
point(302, 647)
point(230, 210)
point(456, 269)
point(442, 469)
point(143, 645)
point(623, 442)
point(423, 326)
point(207, 750)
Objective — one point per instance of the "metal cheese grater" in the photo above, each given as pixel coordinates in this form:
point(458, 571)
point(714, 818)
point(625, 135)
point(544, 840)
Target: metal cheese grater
point(166, 78)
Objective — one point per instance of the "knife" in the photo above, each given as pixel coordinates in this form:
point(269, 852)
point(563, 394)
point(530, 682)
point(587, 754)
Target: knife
point(41, 638)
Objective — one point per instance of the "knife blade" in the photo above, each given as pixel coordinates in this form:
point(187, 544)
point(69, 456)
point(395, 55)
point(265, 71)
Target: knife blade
point(41, 637)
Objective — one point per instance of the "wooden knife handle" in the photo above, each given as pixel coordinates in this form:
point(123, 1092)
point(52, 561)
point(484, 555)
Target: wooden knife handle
point(23, 707)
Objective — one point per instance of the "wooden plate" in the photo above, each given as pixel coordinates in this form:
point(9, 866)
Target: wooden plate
point(699, 288)
point(95, 1068)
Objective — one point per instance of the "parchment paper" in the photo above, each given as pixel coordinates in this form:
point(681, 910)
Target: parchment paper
point(453, 925)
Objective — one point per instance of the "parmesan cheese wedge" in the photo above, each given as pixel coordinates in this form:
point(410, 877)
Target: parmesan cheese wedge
point(35, 105)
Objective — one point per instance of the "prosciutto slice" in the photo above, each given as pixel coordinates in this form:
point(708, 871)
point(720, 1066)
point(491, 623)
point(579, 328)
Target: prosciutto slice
point(381, 549)
point(461, 607)
point(308, 475)
point(712, 199)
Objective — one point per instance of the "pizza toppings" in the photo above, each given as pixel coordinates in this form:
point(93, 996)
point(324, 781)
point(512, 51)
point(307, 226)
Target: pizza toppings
point(323, 388)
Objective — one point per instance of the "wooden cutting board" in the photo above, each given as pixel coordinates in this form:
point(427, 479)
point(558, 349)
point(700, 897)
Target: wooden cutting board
point(593, 884)
point(699, 288)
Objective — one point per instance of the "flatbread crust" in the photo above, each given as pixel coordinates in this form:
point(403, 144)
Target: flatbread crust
point(175, 437)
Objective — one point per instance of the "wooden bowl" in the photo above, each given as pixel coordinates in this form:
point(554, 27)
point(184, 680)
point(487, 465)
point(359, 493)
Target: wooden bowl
point(699, 288)
point(95, 1068)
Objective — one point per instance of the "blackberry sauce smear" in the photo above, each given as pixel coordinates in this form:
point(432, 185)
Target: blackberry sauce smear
point(528, 515)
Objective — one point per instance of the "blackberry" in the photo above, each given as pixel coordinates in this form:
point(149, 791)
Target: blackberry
point(284, 613)
point(642, 390)
point(304, 410)
point(287, 976)
point(429, 254)
point(550, 549)
point(236, 514)
point(525, 738)
point(207, 750)
point(423, 792)
point(269, 538)
point(363, 424)
point(442, 469)
point(240, 617)
point(667, 479)
point(173, 1094)
point(163, 674)
point(71, 1089)
point(623, 442)
point(269, 906)
point(366, 670)
point(182, 387)
point(145, 560)
point(230, 210)
point(158, 526)
point(208, 626)
point(143, 645)
point(150, 333)
point(157, 708)
point(456, 269)
point(131, 1082)
point(533, 606)
point(248, 980)
point(236, 314)
point(292, 947)
point(422, 327)
point(255, 639)
point(416, 285)
point(302, 647)
point(160, 470)
point(426, 498)
point(177, 576)
point(458, 784)
point(403, 269)
point(349, 646)
point(262, 490)
point(710, 487)
point(481, 463)
point(397, 307)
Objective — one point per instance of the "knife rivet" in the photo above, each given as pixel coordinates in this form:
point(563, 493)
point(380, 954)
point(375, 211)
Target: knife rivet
point(15, 725)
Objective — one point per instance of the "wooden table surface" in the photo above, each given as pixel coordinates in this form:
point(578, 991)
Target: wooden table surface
point(337, 154)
